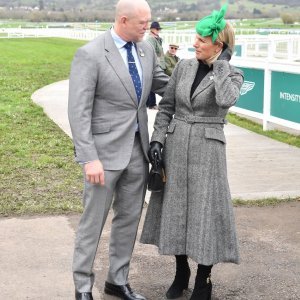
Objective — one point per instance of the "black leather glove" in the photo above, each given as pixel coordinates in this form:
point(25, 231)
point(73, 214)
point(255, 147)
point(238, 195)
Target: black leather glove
point(155, 150)
point(226, 53)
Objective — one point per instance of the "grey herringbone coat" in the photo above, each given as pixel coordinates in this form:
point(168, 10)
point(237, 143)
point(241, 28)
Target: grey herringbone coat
point(194, 215)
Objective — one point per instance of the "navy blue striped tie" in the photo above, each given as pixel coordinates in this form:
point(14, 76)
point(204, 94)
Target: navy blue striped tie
point(133, 71)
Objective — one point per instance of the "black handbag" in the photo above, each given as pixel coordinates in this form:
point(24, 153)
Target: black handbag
point(157, 178)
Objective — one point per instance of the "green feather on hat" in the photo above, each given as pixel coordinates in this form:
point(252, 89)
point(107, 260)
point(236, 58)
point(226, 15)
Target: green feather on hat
point(213, 24)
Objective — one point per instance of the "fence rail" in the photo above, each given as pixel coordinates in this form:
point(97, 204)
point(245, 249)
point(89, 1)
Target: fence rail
point(279, 45)
point(79, 34)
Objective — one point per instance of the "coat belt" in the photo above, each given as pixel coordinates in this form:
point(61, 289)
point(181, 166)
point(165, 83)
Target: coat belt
point(197, 119)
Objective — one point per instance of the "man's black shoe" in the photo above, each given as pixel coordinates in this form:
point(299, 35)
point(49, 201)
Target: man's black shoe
point(83, 296)
point(122, 291)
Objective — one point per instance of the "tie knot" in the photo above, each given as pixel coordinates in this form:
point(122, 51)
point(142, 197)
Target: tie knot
point(128, 45)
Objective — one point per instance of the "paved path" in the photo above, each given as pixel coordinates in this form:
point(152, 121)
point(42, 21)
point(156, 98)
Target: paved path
point(36, 252)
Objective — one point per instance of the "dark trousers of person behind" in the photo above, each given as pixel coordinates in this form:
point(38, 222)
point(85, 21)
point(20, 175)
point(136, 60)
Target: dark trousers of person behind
point(151, 101)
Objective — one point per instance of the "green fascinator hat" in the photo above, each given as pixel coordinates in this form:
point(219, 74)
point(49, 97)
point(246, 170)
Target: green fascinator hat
point(213, 24)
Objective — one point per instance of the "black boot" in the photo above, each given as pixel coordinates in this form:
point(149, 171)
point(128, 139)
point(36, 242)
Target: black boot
point(203, 286)
point(181, 281)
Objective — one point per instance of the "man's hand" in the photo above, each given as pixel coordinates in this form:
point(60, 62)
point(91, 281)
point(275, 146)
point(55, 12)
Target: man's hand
point(94, 172)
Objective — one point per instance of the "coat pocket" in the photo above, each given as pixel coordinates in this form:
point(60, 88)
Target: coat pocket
point(100, 128)
point(171, 127)
point(215, 134)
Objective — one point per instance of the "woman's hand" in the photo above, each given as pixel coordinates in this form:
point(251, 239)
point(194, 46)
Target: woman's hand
point(155, 150)
point(226, 53)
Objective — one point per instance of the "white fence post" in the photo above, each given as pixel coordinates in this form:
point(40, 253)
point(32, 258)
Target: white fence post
point(290, 48)
point(244, 49)
point(271, 49)
point(267, 97)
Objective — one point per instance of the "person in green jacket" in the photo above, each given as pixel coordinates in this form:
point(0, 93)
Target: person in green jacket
point(156, 41)
point(171, 59)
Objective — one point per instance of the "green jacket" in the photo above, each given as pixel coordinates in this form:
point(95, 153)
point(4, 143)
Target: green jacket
point(170, 62)
point(157, 45)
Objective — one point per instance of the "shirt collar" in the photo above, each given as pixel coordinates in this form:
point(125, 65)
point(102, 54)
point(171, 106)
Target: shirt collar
point(118, 40)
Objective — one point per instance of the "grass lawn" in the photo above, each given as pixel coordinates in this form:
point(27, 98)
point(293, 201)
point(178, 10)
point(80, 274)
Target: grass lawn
point(37, 173)
point(278, 135)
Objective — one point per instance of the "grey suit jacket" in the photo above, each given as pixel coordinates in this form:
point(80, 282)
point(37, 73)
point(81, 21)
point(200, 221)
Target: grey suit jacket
point(103, 108)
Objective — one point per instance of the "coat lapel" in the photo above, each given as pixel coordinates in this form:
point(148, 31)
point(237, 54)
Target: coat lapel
point(114, 58)
point(190, 75)
point(206, 82)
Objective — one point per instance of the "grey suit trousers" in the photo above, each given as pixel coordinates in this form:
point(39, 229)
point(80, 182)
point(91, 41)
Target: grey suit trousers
point(126, 189)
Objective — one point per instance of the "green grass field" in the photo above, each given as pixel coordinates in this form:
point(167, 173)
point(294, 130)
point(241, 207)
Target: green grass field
point(37, 172)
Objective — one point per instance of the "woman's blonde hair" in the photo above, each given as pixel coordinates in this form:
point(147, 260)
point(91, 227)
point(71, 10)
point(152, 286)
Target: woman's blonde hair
point(227, 36)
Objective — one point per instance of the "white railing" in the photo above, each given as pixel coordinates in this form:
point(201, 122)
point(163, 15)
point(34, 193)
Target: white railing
point(264, 31)
point(79, 34)
point(270, 46)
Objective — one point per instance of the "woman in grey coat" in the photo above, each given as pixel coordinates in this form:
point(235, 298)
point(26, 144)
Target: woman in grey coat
point(193, 216)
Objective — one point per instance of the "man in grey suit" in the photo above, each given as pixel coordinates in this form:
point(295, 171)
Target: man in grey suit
point(111, 78)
